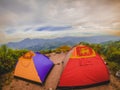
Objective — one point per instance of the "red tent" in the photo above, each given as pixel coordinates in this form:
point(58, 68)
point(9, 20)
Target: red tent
point(83, 67)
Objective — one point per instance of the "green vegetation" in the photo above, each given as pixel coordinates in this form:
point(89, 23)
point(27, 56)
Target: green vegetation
point(112, 53)
point(8, 58)
point(47, 51)
point(60, 49)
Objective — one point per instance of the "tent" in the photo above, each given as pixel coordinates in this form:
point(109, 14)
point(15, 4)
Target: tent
point(33, 66)
point(83, 67)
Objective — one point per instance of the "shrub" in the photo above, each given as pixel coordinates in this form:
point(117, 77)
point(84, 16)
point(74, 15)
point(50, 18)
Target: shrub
point(113, 67)
point(45, 51)
point(8, 58)
point(115, 56)
point(64, 49)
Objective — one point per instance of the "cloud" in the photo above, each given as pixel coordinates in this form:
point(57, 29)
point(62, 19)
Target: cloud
point(114, 33)
point(9, 31)
point(16, 6)
point(2, 37)
point(53, 28)
point(46, 18)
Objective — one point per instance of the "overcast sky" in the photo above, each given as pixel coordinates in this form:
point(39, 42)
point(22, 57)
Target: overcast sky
point(20, 19)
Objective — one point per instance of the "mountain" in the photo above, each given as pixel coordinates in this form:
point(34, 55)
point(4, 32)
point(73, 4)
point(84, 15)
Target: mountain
point(40, 44)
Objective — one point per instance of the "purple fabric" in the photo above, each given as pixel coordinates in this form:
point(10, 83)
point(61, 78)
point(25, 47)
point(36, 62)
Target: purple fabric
point(43, 65)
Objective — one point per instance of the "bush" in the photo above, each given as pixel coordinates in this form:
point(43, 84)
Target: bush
point(115, 56)
point(60, 49)
point(114, 67)
point(8, 58)
point(45, 51)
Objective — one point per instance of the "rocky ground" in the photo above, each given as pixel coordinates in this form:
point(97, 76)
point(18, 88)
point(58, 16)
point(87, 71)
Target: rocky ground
point(53, 79)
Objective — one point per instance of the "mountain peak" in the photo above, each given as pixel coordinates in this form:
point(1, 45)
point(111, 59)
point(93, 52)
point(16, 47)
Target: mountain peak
point(27, 39)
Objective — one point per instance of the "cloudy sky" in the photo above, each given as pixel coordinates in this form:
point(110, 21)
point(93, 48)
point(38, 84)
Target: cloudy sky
point(20, 19)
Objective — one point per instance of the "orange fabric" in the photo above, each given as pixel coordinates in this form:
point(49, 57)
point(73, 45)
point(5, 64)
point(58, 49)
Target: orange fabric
point(25, 68)
point(74, 53)
point(29, 54)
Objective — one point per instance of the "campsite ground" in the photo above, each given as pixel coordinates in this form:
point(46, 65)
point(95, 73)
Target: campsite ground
point(53, 79)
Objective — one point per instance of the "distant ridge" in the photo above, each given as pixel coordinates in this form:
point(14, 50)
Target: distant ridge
point(39, 44)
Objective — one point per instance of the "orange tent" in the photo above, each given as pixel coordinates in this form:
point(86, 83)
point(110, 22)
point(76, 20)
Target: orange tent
point(33, 66)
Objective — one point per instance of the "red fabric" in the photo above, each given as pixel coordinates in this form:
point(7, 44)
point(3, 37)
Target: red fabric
point(84, 71)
